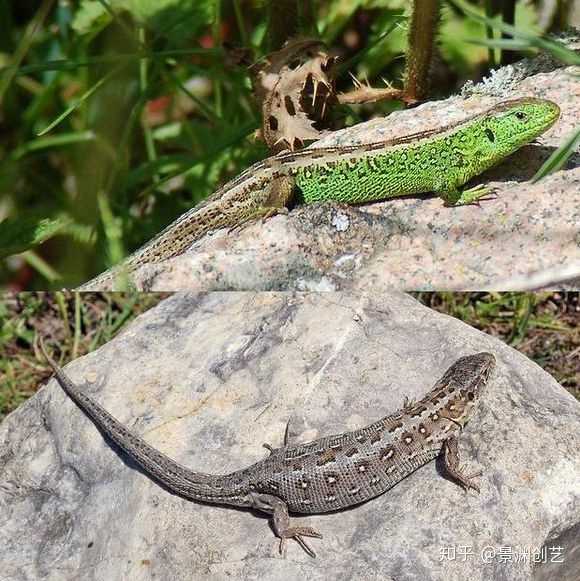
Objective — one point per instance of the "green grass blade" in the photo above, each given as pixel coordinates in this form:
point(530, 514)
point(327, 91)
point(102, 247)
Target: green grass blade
point(557, 160)
point(53, 141)
point(41, 266)
point(557, 49)
point(71, 108)
point(112, 228)
point(504, 43)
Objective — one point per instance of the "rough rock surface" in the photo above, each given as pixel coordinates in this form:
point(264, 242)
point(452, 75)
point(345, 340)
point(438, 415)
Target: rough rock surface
point(528, 237)
point(208, 378)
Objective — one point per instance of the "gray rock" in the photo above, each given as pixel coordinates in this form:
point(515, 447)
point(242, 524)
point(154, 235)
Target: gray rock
point(526, 238)
point(208, 378)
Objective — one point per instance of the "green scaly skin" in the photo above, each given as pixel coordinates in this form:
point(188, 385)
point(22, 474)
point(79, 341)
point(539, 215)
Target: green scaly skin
point(441, 162)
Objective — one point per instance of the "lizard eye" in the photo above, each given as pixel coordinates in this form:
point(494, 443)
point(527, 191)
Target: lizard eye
point(489, 134)
point(520, 115)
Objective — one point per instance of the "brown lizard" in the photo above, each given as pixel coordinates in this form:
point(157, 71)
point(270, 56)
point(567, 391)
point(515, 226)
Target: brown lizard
point(327, 474)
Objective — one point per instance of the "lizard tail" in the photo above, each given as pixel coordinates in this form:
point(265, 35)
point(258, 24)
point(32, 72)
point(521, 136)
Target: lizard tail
point(175, 239)
point(172, 475)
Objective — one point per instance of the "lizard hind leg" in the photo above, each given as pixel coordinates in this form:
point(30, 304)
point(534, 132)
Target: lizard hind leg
point(280, 192)
point(262, 213)
point(281, 522)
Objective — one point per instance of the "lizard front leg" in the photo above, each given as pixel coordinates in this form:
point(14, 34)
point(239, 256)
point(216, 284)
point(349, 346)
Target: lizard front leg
point(286, 439)
point(452, 465)
point(457, 197)
point(447, 188)
point(281, 522)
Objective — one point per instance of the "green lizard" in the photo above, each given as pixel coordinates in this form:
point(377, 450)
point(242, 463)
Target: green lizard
point(440, 161)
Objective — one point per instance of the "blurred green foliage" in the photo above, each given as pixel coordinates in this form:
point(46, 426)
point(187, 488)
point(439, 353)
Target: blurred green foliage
point(116, 116)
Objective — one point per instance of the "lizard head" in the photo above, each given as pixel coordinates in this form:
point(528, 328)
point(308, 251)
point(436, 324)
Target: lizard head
point(514, 123)
point(465, 380)
point(476, 370)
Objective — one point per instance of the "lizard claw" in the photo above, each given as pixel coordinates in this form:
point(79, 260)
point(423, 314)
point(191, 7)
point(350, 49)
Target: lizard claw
point(408, 404)
point(274, 212)
point(297, 533)
point(491, 195)
point(466, 480)
point(260, 214)
point(269, 448)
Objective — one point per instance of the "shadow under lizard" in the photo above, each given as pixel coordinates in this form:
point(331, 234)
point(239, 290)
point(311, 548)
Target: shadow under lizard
point(327, 474)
